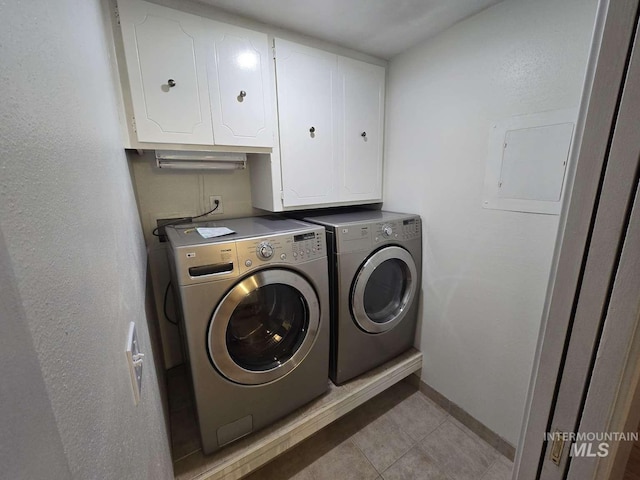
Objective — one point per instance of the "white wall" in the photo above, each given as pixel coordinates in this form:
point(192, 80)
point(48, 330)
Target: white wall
point(74, 243)
point(23, 394)
point(485, 271)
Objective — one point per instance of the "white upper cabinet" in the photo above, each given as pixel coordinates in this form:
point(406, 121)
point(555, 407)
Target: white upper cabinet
point(167, 74)
point(239, 85)
point(361, 120)
point(330, 114)
point(306, 114)
point(194, 81)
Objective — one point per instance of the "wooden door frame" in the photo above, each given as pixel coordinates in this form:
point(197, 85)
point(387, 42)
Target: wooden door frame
point(606, 72)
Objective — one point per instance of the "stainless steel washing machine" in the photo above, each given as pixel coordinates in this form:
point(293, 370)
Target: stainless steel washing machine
point(255, 320)
point(375, 263)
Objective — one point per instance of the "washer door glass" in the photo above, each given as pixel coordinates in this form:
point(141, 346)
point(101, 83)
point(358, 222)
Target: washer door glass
point(267, 327)
point(384, 289)
point(264, 327)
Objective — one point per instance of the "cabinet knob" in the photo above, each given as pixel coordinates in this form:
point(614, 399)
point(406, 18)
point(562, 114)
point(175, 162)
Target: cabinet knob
point(312, 130)
point(171, 82)
point(243, 94)
point(363, 134)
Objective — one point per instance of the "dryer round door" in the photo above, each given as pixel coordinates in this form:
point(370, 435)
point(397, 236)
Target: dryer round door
point(264, 327)
point(384, 289)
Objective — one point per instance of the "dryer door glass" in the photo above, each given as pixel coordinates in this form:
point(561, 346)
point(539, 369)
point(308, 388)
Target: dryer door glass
point(384, 289)
point(264, 327)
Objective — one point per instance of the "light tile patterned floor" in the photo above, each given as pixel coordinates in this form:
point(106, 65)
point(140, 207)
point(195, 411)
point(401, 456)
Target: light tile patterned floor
point(398, 435)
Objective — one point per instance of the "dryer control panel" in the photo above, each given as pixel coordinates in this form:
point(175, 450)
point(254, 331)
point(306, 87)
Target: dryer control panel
point(411, 228)
point(402, 230)
point(352, 238)
point(288, 249)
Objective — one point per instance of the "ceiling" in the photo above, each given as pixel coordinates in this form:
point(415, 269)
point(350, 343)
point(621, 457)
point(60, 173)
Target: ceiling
point(382, 28)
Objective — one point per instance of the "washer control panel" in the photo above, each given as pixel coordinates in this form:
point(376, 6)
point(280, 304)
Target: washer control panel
point(308, 245)
point(278, 249)
point(264, 250)
point(200, 263)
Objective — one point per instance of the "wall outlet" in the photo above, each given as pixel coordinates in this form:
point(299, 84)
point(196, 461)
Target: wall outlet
point(212, 203)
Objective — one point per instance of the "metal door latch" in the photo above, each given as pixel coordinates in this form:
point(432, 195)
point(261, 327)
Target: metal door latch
point(557, 446)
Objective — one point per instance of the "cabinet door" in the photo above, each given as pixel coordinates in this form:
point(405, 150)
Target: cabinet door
point(306, 119)
point(361, 89)
point(167, 74)
point(239, 85)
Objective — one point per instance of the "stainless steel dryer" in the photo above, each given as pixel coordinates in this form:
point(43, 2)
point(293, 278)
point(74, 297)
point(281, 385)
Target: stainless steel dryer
point(375, 263)
point(255, 320)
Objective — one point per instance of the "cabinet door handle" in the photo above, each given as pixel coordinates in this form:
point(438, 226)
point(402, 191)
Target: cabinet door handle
point(171, 82)
point(312, 130)
point(363, 134)
point(242, 94)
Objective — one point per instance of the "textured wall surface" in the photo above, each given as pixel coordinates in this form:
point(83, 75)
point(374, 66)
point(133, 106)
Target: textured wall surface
point(23, 394)
point(485, 271)
point(74, 243)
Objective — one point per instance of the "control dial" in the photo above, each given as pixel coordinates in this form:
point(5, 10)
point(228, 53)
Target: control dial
point(264, 250)
point(387, 230)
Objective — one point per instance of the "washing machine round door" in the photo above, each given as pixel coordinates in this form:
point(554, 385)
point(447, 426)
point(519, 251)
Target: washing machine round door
point(384, 289)
point(264, 327)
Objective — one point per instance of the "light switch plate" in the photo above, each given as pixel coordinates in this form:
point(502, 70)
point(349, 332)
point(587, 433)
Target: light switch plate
point(134, 358)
